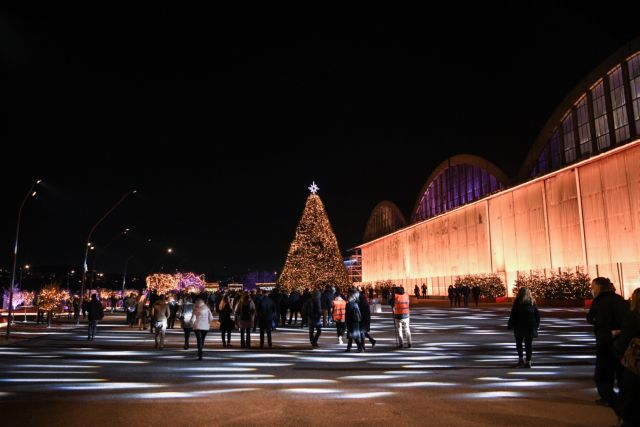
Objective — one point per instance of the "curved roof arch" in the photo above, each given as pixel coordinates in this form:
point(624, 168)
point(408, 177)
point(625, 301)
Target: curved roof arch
point(385, 218)
point(581, 105)
point(480, 177)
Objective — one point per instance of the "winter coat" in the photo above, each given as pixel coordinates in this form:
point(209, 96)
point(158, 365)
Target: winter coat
point(629, 400)
point(224, 316)
point(94, 310)
point(607, 313)
point(365, 311)
point(185, 312)
point(314, 311)
point(201, 317)
point(351, 319)
point(245, 314)
point(266, 310)
point(524, 320)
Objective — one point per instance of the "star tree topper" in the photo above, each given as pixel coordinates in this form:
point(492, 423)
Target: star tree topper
point(314, 188)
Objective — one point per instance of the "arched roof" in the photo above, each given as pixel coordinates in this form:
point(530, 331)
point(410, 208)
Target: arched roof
point(385, 218)
point(460, 159)
point(577, 94)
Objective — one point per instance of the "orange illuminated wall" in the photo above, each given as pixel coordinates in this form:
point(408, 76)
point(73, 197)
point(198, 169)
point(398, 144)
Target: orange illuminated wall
point(584, 216)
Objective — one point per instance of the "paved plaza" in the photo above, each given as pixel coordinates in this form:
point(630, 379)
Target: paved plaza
point(459, 372)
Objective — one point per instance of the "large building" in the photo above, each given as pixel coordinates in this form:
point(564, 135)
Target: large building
point(575, 203)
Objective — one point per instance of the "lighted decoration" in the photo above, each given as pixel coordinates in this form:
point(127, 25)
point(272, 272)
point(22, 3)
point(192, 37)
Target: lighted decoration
point(162, 283)
point(313, 188)
point(50, 298)
point(104, 293)
point(189, 282)
point(314, 259)
point(18, 298)
point(28, 297)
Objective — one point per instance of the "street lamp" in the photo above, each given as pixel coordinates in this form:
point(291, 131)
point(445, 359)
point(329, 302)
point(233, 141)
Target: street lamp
point(88, 245)
point(124, 275)
point(99, 251)
point(31, 193)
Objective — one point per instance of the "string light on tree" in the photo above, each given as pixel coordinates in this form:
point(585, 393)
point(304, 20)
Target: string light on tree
point(162, 283)
point(314, 259)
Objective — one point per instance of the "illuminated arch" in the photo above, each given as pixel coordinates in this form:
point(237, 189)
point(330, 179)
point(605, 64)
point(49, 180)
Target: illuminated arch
point(601, 112)
point(458, 180)
point(384, 219)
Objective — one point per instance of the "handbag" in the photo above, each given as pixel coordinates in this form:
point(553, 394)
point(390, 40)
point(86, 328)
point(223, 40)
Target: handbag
point(631, 358)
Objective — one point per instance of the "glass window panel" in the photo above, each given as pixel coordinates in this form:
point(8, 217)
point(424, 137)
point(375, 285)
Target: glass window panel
point(634, 82)
point(584, 132)
point(618, 104)
point(600, 117)
point(556, 156)
point(569, 143)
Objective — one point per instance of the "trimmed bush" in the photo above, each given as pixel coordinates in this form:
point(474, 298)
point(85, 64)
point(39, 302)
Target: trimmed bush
point(491, 285)
point(560, 286)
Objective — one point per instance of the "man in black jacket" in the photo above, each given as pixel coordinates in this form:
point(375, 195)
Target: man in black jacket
point(606, 315)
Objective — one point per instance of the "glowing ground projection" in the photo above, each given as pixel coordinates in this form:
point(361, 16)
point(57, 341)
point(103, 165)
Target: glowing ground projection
point(461, 357)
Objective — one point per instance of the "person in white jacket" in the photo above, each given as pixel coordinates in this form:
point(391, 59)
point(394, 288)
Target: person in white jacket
point(201, 320)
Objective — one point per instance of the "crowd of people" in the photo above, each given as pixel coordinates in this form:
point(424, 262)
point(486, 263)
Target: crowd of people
point(616, 324)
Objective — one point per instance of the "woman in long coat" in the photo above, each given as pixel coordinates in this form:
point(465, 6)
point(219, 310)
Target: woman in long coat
point(629, 399)
point(525, 321)
point(226, 324)
point(201, 320)
point(353, 318)
point(365, 323)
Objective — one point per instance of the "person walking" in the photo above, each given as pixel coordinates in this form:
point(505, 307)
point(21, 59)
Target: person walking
point(201, 320)
point(339, 311)
point(451, 293)
point(465, 290)
point(424, 291)
point(524, 321)
point(266, 312)
point(400, 304)
point(629, 398)
point(245, 314)
point(314, 317)
point(365, 323)
point(95, 312)
point(607, 313)
point(416, 291)
point(159, 315)
point(353, 318)
point(185, 314)
point(226, 322)
point(475, 291)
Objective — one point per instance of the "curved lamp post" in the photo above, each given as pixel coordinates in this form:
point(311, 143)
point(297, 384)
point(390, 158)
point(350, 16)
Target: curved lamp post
point(124, 275)
point(88, 245)
point(31, 193)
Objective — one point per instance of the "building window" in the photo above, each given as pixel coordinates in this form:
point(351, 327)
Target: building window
point(584, 133)
point(618, 105)
point(569, 143)
point(634, 82)
point(543, 161)
point(556, 154)
point(600, 116)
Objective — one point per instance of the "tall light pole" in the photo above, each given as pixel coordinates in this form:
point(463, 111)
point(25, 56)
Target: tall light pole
point(124, 275)
point(88, 245)
point(30, 193)
point(99, 251)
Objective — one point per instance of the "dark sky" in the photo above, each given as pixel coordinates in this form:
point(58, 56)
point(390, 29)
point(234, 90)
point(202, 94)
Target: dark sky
point(222, 120)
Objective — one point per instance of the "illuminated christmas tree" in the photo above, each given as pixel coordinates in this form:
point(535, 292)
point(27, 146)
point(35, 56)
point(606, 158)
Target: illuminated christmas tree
point(314, 259)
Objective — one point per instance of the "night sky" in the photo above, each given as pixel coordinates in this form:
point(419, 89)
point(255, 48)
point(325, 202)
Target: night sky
point(222, 120)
